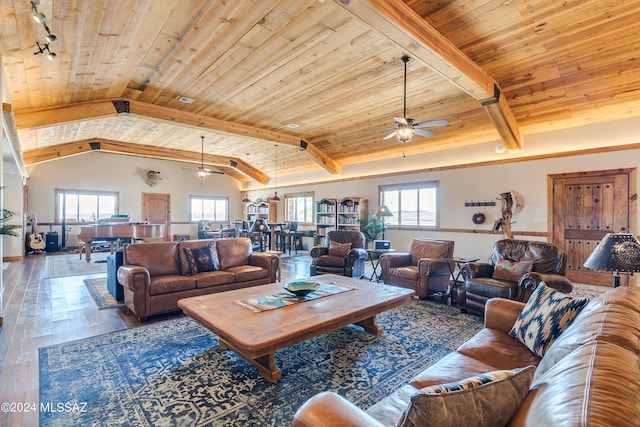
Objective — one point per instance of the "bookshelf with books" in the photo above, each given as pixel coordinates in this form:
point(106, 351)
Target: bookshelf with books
point(262, 210)
point(325, 218)
point(350, 211)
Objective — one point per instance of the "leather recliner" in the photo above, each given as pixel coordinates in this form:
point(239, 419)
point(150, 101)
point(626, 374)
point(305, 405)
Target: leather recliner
point(422, 269)
point(351, 264)
point(549, 266)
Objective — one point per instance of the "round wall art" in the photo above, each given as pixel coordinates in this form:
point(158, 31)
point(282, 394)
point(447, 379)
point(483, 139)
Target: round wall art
point(478, 218)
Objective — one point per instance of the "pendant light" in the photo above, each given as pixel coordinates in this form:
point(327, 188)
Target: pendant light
point(246, 196)
point(275, 197)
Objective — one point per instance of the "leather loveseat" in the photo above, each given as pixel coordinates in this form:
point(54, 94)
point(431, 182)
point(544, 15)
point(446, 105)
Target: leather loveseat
point(589, 376)
point(156, 275)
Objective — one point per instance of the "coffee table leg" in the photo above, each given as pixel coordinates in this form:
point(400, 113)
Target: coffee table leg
point(266, 364)
point(371, 326)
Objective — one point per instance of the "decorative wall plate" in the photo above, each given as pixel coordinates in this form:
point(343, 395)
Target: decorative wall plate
point(478, 218)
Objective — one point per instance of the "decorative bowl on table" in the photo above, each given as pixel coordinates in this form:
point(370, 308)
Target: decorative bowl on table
point(300, 288)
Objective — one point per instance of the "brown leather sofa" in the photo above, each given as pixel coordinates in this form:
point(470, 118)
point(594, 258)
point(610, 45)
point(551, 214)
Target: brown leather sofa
point(350, 264)
point(549, 265)
point(590, 376)
point(422, 269)
point(156, 275)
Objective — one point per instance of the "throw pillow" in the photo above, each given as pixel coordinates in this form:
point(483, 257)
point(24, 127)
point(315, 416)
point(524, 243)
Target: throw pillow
point(511, 270)
point(544, 317)
point(200, 259)
point(489, 399)
point(339, 249)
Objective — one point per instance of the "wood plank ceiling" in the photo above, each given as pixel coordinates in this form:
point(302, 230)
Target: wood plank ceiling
point(495, 69)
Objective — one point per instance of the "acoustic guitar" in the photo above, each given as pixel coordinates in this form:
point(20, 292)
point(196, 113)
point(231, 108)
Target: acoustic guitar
point(35, 242)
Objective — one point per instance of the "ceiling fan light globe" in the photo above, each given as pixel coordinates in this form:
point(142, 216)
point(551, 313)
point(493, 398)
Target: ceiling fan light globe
point(202, 174)
point(404, 134)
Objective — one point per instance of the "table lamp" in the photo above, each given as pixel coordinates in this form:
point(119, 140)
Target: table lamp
point(617, 252)
point(382, 212)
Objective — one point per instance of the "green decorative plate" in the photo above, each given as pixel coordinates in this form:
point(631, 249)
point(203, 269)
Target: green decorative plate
point(300, 288)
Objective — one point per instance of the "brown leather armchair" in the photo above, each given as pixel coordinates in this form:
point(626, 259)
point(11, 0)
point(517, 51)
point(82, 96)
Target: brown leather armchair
point(350, 264)
point(549, 266)
point(422, 269)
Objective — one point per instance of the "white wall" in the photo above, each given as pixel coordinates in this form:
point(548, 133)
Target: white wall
point(478, 183)
point(125, 174)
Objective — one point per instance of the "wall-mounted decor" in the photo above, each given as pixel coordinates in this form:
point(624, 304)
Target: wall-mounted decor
point(479, 203)
point(478, 218)
point(512, 203)
point(153, 177)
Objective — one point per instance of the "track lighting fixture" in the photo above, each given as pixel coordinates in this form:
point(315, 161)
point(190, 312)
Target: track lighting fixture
point(37, 16)
point(40, 18)
point(50, 55)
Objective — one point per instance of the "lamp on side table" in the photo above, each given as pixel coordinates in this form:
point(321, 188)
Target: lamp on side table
point(617, 252)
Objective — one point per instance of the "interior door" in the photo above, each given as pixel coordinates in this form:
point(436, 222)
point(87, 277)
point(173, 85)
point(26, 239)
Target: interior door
point(156, 208)
point(583, 208)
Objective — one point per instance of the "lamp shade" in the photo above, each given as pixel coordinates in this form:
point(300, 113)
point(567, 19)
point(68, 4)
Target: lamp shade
point(383, 211)
point(617, 252)
point(260, 226)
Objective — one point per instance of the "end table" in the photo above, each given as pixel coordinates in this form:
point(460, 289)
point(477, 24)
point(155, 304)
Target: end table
point(455, 268)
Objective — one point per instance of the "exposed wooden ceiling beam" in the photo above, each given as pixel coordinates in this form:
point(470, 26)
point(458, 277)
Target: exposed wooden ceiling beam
point(230, 165)
point(105, 108)
point(403, 26)
point(185, 117)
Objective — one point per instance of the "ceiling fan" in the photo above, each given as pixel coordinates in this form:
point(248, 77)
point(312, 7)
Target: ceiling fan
point(406, 127)
point(202, 171)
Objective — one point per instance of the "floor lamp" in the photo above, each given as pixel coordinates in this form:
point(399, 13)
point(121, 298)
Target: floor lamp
point(381, 213)
point(617, 252)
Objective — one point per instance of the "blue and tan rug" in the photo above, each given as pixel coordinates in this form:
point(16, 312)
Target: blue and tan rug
point(171, 373)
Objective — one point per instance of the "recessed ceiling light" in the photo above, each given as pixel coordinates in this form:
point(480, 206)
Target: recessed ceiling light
point(292, 126)
point(186, 100)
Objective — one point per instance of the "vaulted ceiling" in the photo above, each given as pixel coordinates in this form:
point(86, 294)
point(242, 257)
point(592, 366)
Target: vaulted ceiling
point(321, 79)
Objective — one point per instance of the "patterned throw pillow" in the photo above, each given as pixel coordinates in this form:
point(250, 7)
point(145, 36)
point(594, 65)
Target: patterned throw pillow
point(511, 270)
point(200, 259)
point(339, 249)
point(544, 317)
point(488, 399)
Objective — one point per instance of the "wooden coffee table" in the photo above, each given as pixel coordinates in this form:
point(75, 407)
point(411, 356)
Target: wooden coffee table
point(256, 336)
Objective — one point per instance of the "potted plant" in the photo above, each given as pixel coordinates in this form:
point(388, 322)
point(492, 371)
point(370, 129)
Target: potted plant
point(7, 229)
point(371, 228)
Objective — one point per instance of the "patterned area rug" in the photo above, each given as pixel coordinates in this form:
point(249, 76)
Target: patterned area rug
point(173, 373)
point(98, 289)
point(72, 265)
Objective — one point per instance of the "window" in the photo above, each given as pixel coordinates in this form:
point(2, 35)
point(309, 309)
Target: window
point(85, 206)
point(412, 205)
point(209, 208)
point(298, 207)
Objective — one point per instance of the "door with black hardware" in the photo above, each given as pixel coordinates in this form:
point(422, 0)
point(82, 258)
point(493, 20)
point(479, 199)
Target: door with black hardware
point(585, 206)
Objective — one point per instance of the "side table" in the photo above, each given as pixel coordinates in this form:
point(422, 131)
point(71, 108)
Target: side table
point(374, 258)
point(455, 268)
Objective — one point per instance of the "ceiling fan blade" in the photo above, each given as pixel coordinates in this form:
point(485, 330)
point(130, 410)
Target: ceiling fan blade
point(391, 135)
point(423, 132)
point(431, 123)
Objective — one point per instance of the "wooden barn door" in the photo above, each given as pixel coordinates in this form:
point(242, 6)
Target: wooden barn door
point(583, 208)
point(156, 208)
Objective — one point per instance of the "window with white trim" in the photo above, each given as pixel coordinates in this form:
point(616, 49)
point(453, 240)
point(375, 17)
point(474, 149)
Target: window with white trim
point(412, 204)
point(299, 207)
point(208, 208)
point(77, 206)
